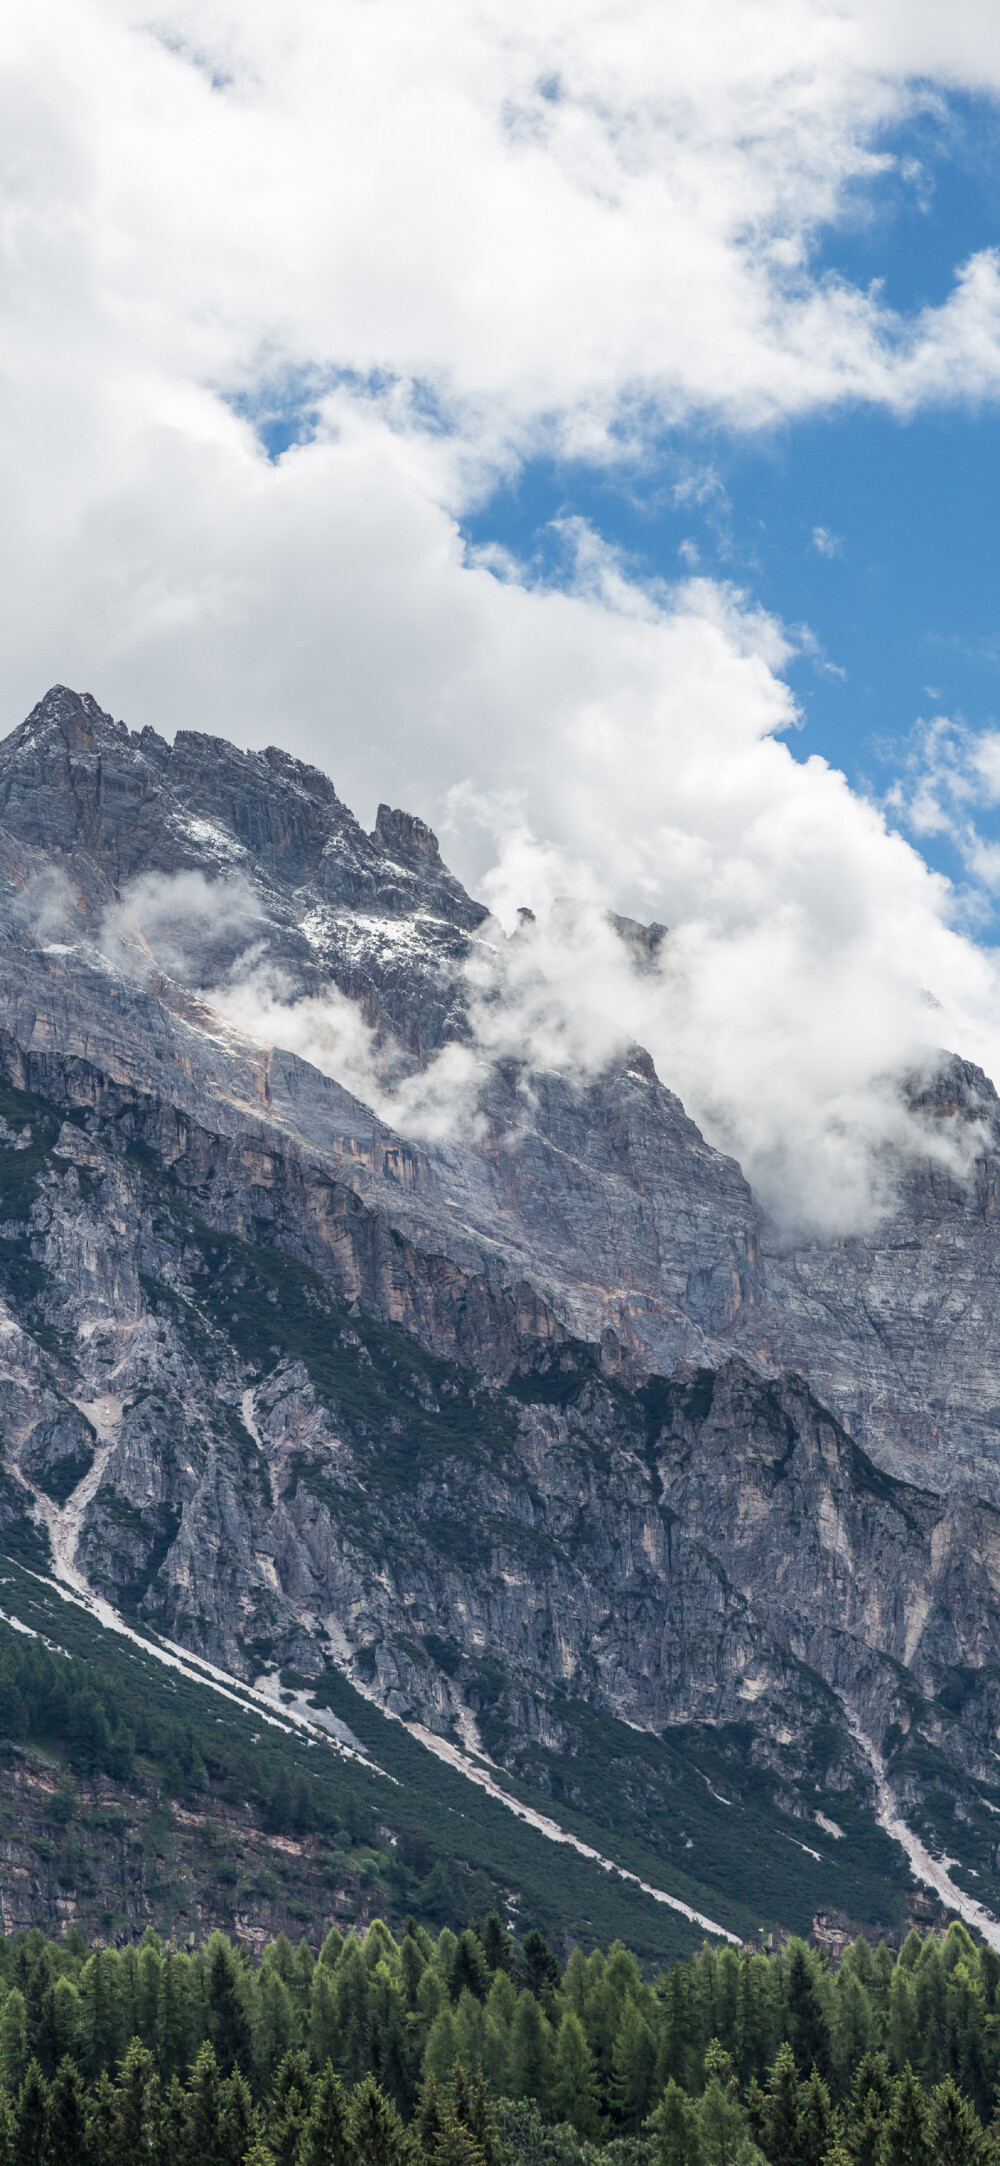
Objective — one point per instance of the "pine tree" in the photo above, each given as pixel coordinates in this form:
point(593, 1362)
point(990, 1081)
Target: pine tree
point(429, 2118)
point(412, 1964)
point(323, 2036)
point(174, 2120)
point(137, 2109)
point(456, 2146)
point(148, 1987)
point(498, 1948)
point(228, 2023)
point(66, 2118)
point(723, 2129)
point(853, 2026)
point(379, 1946)
point(539, 1969)
point(954, 2134)
point(633, 2063)
point(99, 1995)
point(325, 2140)
point(388, 2029)
point(236, 2120)
point(816, 2123)
point(31, 2118)
point(13, 2041)
point(474, 2108)
point(808, 2030)
point(530, 2051)
point(173, 2024)
point(574, 2085)
point(776, 2109)
point(351, 1985)
point(103, 2118)
point(301, 1984)
point(203, 2114)
point(65, 2019)
point(680, 2135)
point(275, 2022)
point(289, 2107)
point(906, 2129)
point(905, 2043)
point(469, 1971)
point(378, 2137)
point(441, 2050)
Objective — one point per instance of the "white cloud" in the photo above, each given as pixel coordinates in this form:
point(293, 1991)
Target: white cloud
point(825, 543)
point(949, 775)
point(474, 231)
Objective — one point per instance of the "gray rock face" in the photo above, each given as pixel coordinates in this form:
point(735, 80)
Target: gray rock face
point(529, 1420)
point(901, 1332)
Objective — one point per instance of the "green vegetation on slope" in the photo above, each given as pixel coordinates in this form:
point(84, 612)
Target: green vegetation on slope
point(409, 1834)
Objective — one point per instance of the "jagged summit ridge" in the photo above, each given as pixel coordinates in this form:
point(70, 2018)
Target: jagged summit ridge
point(72, 777)
point(494, 1418)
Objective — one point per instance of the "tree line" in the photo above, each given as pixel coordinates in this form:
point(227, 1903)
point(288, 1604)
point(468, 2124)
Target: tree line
point(479, 2050)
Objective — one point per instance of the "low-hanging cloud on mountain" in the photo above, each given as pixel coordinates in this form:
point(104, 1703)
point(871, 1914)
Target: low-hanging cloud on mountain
point(285, 299)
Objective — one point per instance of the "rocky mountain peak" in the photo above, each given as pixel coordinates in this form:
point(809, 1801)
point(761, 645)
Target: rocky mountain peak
point(72, 779)
point(405, 833)
point(76, 715)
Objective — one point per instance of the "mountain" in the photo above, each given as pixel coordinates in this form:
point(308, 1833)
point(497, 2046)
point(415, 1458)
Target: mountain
point(513, 1419)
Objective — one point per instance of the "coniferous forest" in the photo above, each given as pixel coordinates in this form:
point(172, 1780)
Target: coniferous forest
point(477, 2050)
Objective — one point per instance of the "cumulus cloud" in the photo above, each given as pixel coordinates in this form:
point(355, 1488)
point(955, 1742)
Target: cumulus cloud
point(423, 244)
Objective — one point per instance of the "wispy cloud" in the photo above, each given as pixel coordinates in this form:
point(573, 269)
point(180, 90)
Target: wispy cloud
point(948, 778)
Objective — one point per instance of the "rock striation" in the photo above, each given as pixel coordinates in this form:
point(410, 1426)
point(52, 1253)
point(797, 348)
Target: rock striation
point(526, 1424)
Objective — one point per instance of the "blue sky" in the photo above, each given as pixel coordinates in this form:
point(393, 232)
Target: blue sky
point(873, 537)
point(513, 409)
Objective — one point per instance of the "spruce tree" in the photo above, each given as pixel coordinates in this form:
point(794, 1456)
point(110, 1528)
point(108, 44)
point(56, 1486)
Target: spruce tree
point(530, 2051)
point(679, 2133)
point(498, 1948)
point(66, 2118)
point(31, 2118)
point(816, 2123)
point(441, 2050)
point(906, 2141)
point(101, 2022)
point(289, 2107)
point(378, 2137)
point(137, 2109)
point(13, 2041)
point(776, 2109)
point(65, 2019)
point(429, 2118)
point(633, 2063)
point(538, 1967)
point(723, 2129)
point(325, 2140)
point(203, 2112)
point(173, 2024)
point(103, 2121)
point(274, 2028)
point(808, 2030)
point(574, 2085)
point(228, 2022)
point(470, 1971)
point(236, 2120)
point(954, 2132)
point(323, 2034)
